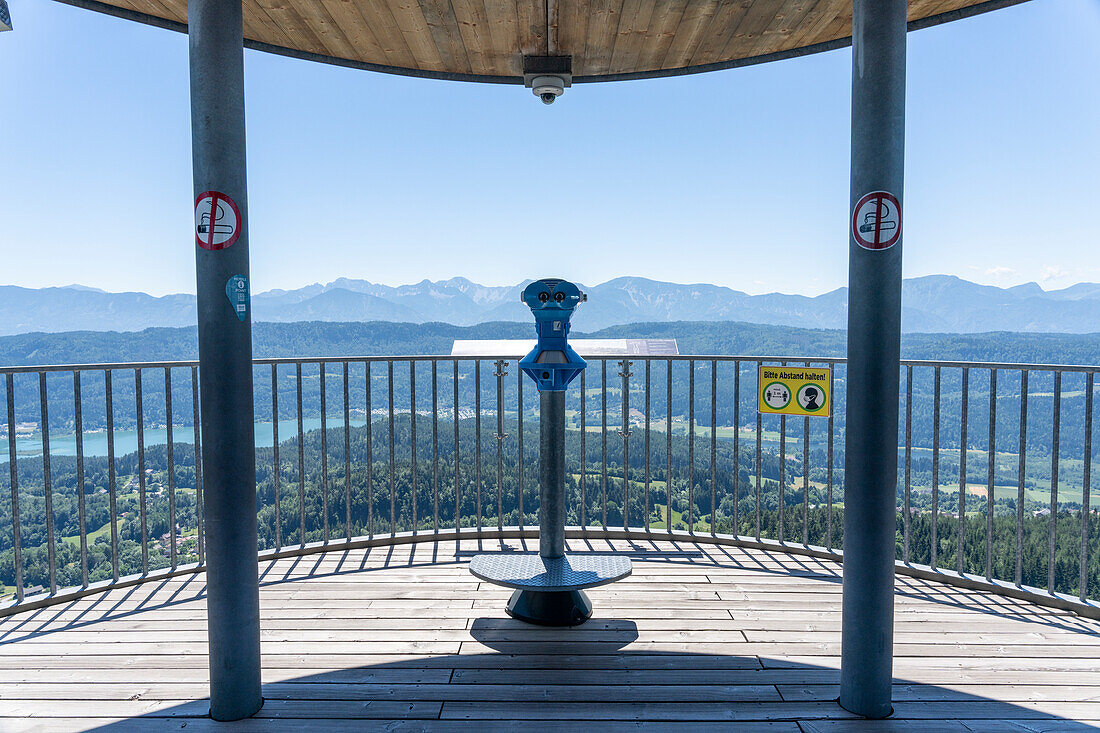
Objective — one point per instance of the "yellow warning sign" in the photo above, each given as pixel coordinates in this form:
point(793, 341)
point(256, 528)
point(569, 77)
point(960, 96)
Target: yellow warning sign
point(796, 391)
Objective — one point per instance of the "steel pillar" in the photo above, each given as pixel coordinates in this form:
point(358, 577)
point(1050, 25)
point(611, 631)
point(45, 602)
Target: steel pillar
point(874, 346)
point(551, 607)
point(552, 474)
point(215, 34)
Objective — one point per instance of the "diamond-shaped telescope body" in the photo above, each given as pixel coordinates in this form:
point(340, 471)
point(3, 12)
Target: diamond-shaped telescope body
point(553, 364)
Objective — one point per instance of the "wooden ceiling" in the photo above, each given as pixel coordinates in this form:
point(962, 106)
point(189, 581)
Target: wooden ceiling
point(485, 40)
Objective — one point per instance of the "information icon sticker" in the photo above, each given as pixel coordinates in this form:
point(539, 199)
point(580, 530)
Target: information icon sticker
point(217, 220)
point(777, 395)
point(876, 220)
point(237, 292)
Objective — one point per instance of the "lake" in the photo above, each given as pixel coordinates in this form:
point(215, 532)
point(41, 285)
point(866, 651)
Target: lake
point(126, 441)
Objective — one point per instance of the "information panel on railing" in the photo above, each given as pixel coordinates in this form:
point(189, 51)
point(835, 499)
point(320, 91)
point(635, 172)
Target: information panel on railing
point(585, 347)
point(803, 391)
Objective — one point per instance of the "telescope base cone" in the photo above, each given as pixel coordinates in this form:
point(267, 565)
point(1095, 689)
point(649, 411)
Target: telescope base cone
point(553, 608)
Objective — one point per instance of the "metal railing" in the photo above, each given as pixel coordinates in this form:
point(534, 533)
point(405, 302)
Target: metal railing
point(371, 459)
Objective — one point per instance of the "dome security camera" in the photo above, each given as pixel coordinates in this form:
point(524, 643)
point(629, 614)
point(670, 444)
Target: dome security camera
point(548, 88)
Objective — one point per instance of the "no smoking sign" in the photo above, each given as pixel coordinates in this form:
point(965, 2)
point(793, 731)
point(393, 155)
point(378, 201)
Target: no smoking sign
point(876, 220)
point(217, 220)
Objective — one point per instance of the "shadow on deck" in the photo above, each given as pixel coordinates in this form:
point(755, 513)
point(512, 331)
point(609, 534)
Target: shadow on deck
point(701, 637)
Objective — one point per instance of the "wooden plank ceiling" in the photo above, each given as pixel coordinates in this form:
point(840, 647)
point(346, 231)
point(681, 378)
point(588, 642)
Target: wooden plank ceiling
point(490, 37)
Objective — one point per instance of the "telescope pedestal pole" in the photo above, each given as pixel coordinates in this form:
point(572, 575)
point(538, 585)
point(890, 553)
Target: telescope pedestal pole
point(561, 607)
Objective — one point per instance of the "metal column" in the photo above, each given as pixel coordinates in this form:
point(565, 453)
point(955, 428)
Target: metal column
point(552, 474)
point(225, 356)
point(874, 345)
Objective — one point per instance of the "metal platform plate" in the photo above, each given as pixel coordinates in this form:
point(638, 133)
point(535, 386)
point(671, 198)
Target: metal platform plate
point(526, 571)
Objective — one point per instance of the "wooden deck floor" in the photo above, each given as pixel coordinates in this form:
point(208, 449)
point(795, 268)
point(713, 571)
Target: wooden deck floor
point(404, 638)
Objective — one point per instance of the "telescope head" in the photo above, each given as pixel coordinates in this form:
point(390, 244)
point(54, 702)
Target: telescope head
point(552, 363)
point(552, 296)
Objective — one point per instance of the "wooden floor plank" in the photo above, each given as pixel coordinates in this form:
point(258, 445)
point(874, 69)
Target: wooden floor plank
point(702, 712)
point(437, 692)
point(200, 725)
point(405, 639)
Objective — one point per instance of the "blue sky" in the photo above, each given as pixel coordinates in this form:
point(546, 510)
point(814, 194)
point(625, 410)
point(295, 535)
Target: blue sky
point(739, 178)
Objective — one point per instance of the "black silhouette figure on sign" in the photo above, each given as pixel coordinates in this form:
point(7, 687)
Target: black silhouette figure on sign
point(811, 397)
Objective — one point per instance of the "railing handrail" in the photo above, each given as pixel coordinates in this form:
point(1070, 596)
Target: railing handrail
point(682, 487)
point(268, 360)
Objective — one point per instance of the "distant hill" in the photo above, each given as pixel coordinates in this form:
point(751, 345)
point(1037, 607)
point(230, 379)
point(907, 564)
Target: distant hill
point(932, 304)
point(315, 339)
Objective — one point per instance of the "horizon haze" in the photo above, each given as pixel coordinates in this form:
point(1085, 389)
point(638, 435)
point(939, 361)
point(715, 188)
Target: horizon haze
point(930, 304)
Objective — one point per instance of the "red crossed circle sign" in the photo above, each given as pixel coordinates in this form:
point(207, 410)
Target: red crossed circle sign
point(217, 220)
point(876, 220)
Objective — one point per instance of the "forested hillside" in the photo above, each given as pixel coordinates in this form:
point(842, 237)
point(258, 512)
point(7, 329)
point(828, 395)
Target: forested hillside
point(385, 338)
point(371, 481)
point(421, 492)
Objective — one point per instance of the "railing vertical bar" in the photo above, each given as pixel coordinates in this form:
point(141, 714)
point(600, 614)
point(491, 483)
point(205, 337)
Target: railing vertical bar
point(691, 446)
point(713, 441)
point(989, 489)
point(648, 384)
point(323, 378)
point(347, 454)
point(171, 448)
point(603, 442)
point(435, 446)
point(960, 557)
point(301, 459)
point(500, 364)
point(782, 477)
point(782, 474)
point(458, 485)
point(829, 479)
point(759, 463)
point(142, 503)
point(368, 406)
point(935, 465)
point(626, 374)
point(1020, 496)
point(112, 479)
point(276, 467)
point(393, 480)
point(412, 446)
point(47, 481)
point(197, 430)
point(1056, 428)
point(736, 447)
point(584, 454)
point(905, 515)
point(668, 446)
point(477, 438)
point(1086, 488)
point(13, 472)
point(806, 480)
point(519, 442)
point(78, 432)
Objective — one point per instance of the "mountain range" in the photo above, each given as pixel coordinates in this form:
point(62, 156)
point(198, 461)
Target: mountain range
point(931, 304)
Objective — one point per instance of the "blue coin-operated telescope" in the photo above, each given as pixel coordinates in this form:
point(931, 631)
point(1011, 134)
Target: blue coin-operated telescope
point(549, 587)
point(552, 363)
